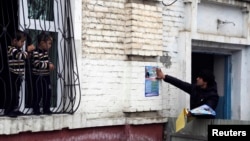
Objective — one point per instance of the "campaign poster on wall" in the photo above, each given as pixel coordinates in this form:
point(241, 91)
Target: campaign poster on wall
point(151, 83)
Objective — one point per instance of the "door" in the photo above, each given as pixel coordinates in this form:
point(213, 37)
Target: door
point(223, 68)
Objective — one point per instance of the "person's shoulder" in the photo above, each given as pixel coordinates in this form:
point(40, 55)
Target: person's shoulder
point(11, 47)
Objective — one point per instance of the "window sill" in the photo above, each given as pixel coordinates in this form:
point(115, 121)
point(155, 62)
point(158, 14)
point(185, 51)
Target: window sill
point(33, 123)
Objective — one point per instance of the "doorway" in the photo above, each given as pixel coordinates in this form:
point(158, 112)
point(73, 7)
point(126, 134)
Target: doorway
point(220, 65)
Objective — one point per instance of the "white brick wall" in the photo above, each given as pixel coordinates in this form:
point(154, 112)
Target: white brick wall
point(173, 24)
point(110, 84)
point(103, 29)
point(111, 87)
point(119, 28)
point(144, 29)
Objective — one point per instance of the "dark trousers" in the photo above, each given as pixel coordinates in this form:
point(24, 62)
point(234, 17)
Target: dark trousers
point(12, 101)
point(41, 91)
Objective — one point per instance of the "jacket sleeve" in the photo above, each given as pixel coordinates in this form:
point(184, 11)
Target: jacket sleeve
point(187, 87)
point(213, 100)
point(17, 53)
point(40, 61)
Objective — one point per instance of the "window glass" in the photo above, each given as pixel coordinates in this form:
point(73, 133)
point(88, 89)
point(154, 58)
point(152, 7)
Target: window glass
point(41, 9)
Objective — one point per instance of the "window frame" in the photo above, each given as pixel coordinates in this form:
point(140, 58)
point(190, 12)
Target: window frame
point(50, 26)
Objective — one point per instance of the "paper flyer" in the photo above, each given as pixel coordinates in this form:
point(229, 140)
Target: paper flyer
point(181, 121)
point(151, 83)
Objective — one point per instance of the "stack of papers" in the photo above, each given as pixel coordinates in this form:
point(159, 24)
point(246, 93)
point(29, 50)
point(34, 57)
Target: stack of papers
point(203, 110)
point(185, 116)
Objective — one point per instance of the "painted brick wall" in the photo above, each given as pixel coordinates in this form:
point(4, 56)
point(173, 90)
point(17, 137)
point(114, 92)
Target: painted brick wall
point(112, 84)
point(179, 22)
point(144, 29)
point(103, 29)
point(113, 30)
point(173, 61)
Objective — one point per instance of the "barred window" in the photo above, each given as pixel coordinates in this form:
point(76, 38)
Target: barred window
point(41, 9)
point(34, 17)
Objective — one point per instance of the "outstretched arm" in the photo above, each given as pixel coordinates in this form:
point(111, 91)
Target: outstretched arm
point(187, 87)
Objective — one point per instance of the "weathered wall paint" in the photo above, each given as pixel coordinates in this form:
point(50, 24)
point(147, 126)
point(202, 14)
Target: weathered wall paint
point(153, 132)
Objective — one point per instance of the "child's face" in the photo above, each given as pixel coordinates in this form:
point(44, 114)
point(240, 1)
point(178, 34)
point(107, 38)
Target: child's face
point(46, 45)
point(18, 43)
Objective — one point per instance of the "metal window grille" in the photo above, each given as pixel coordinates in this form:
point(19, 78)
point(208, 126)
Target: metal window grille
point(33, 17)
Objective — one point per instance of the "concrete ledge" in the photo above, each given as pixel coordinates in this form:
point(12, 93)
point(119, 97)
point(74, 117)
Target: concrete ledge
point(34, 123)
point(56, 122)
